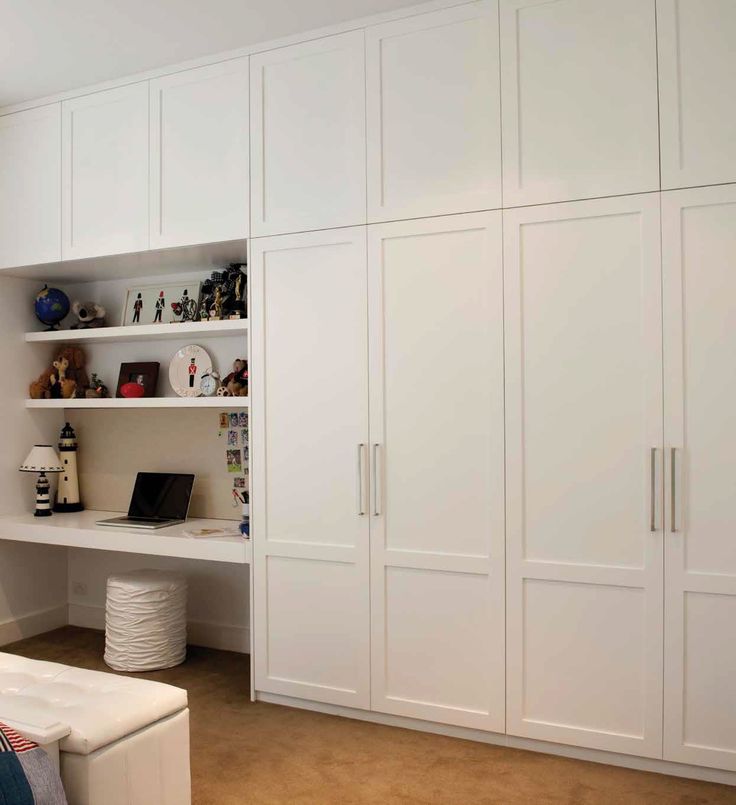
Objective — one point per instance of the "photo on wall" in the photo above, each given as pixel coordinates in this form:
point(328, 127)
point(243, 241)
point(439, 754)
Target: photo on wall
point(161, 304)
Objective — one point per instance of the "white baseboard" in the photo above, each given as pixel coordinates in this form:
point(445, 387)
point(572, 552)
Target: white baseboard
point(511, 741)
point(32, 624)
point(199, 633)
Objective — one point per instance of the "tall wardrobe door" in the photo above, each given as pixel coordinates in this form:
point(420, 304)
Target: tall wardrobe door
point(579, 95)
point(421, 162)
point(699, 244)
point(697, 73)
point(310, 436)
point(437, 522)
point(584, 473)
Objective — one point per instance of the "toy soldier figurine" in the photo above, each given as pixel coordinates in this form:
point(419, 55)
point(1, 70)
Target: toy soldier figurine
point(137, 308)
point(192, 372)
point(160, 306)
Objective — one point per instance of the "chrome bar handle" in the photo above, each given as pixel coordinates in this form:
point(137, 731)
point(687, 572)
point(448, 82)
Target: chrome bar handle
point(376, 507)
point(673, 490)
point(361, 507)
point(653, 489)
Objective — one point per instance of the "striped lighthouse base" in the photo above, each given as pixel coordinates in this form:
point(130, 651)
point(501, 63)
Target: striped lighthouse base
point(43, 497)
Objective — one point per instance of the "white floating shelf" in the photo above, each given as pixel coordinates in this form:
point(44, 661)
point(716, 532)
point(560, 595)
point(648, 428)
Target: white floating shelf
point(145, 402)
point(152, 262)
point(80, 531)
point(143, 332)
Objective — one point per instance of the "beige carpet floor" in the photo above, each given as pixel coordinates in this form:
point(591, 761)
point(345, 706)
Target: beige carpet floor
point(261, 754)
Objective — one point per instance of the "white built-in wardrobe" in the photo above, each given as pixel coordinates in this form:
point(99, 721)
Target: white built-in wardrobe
point(495, 427)
point(492, 255)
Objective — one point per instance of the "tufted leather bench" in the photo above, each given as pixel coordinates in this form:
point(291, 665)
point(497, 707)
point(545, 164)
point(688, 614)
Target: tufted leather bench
point(127, 741)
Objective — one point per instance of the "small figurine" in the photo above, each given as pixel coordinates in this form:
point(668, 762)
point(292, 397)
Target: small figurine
point(217, 307)
point(97, 389)
point(89, 315)
point(236, 382)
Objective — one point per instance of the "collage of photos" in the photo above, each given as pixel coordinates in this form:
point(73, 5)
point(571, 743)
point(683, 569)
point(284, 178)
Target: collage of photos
point(233, 429)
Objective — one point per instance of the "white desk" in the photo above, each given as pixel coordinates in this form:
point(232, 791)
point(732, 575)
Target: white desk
point(79, 531)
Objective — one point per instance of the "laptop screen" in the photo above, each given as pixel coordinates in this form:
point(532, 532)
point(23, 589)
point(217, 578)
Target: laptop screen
point(161, 495)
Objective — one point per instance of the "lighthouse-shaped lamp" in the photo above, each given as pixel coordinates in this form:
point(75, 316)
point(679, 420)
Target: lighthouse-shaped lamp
point(67, 495)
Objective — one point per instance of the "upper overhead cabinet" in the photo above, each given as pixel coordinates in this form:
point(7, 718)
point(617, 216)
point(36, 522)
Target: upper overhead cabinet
point(697, 73)
point(30, 181)
point(199, 155)
point(433, 99)
point(579, 92)
point(308, 143)
point(105, 172)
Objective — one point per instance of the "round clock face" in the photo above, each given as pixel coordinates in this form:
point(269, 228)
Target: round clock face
point(186, 370)
point(209, 386)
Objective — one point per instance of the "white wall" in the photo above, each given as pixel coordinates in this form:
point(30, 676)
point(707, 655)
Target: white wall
point(38, 581)
point(32, 577)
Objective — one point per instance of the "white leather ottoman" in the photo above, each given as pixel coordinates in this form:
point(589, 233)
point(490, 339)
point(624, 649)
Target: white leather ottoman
point(128, 741)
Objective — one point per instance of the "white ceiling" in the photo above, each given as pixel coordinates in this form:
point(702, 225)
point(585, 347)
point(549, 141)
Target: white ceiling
point(49, 46)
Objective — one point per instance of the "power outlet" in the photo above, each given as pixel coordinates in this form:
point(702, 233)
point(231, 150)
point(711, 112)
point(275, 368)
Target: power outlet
point(78, 588)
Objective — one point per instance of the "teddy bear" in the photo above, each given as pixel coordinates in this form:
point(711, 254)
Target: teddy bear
point(90, 315)
point(236, 382)
point(67, 372)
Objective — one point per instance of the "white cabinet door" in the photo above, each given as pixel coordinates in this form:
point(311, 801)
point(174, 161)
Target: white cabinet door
point(30, 187)
point(437, 521)
point(310, 437)
point(434, 126)
point(105, 172)
point(199, 155)
point(697, 74)
point(579, 92)
point(584, 473)
point(308, 135)
point(699, 244)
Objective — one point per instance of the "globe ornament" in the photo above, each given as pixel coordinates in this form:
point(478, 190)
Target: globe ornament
point(51, 307)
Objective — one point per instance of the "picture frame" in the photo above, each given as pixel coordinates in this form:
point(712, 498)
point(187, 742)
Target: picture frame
point(145, 374)
point(168, 303)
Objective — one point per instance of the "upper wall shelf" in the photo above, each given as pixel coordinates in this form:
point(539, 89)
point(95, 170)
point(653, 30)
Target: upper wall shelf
point(153, 262)
point(142, 332)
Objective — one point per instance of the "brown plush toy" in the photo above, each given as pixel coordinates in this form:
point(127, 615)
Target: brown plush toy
point(237, 381)
point(68, 368)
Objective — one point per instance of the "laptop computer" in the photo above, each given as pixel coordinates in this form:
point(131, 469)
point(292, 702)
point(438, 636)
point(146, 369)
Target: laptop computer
point(160, 499)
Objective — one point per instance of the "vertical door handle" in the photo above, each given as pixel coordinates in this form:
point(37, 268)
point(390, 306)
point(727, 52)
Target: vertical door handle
point(653, 489)
point(361, 486)
point(376, 496)
point(673, 490)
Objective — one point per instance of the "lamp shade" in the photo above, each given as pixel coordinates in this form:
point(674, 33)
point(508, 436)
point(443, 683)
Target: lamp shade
point(42, 458)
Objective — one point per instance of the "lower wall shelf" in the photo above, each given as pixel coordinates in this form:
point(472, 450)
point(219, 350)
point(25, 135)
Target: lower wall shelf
point(79, 531)
point(144, 402)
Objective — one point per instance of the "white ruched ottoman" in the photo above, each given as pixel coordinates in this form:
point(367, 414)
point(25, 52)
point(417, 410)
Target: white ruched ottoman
point(146, 620)
point(128, 739)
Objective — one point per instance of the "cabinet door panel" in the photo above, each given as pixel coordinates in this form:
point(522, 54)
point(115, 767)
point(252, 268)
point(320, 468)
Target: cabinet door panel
point(437, 539)
point(441, 152)
point(697, 73)
point(699, 243)
point(308, 143)
point(310, 415)
point(105, 172)
point(584, 487)
point(199, 155)
point(30, 187)
point(579, 92)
